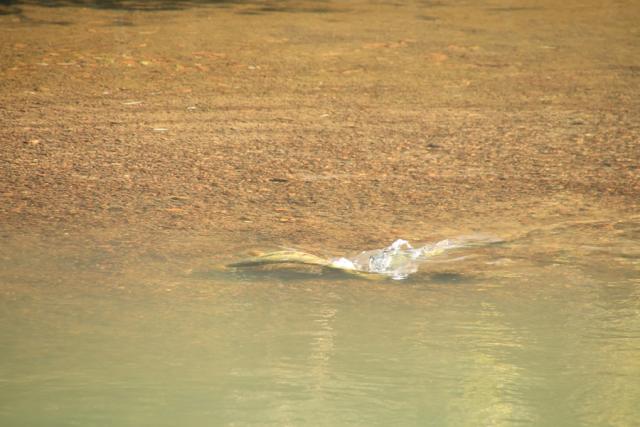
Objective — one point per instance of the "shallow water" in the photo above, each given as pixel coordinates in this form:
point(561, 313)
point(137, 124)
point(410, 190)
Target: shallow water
point(325, 123)
point(543, 329)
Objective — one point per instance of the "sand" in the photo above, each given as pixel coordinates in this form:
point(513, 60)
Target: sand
point(339, 124)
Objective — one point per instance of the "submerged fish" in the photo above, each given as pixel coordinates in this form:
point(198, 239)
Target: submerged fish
point(397, 261)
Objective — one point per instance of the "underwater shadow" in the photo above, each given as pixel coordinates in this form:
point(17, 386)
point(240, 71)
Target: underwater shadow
point(443, 278)
point(287, 276)
point(283, 276)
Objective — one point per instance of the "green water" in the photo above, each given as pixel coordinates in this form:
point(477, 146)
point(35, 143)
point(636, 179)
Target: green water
point(542, 330)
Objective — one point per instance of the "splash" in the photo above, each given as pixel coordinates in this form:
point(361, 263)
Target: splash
point(400, 259)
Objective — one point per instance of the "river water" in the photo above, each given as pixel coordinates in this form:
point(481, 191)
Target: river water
point(543, 329)
point(319, 123)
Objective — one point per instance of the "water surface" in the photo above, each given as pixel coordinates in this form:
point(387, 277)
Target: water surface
point(543, 330)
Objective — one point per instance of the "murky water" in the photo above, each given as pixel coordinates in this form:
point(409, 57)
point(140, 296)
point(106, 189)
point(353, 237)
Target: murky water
point(543, 329)
point(319, 122)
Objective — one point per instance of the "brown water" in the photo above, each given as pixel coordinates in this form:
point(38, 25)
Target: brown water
point(543, 329)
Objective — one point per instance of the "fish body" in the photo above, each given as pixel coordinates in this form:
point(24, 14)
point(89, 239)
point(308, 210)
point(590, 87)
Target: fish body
point(397, 261)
